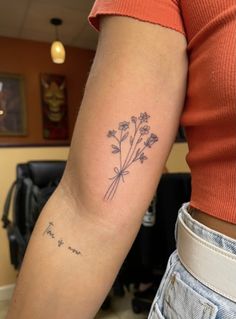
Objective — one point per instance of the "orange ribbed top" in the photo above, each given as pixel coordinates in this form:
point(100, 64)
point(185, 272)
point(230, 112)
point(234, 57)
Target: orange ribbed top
point(209, 114)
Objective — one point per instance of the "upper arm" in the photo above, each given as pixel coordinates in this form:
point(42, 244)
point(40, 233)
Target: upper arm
point(138, 68)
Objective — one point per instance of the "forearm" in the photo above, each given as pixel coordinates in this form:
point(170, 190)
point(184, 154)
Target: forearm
point(70, 263)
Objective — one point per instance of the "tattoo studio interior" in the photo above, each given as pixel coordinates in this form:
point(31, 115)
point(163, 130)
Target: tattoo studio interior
point(47, 50)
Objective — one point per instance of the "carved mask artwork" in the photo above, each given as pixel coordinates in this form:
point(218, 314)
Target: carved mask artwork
point(54, 106)
point(54, 97)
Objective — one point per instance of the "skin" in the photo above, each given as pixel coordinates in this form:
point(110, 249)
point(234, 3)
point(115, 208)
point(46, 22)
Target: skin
point(221, 226)
point(139, 67)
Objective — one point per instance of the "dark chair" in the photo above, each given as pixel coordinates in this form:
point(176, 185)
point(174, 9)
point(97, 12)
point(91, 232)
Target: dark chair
point(34, 184)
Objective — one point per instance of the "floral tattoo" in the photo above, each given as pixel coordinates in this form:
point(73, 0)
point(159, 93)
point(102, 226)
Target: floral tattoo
point(140, 138)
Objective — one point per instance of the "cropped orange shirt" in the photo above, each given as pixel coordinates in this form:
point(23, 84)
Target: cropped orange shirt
point(209, 114)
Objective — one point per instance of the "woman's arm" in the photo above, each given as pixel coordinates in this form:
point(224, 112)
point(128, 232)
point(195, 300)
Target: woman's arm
point(124, 132)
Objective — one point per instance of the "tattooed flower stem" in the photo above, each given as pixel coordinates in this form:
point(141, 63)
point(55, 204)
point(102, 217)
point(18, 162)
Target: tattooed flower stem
point(116, 139)
point(130, 158)
point(112, 189)
point(131, 161)
point(120, 149)
point(135, 133)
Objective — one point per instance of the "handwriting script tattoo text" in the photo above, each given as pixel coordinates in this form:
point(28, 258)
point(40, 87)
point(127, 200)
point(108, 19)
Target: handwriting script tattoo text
point(137, 134)
point(49, 231)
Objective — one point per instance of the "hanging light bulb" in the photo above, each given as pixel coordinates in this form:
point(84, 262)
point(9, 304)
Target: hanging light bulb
point(58, 53)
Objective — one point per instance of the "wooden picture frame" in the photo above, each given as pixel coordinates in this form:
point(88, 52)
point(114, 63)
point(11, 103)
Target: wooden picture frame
point(12, 105)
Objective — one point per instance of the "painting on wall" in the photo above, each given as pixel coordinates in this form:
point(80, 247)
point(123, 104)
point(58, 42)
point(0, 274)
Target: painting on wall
point(54, 106)
point(12, 105)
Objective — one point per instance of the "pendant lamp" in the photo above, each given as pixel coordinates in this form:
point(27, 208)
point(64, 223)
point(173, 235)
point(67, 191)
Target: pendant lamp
point(58, 53)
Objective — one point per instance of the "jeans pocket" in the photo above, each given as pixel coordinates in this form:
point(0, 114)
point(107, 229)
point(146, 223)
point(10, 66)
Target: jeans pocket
point(183, 302)
point(155, 313)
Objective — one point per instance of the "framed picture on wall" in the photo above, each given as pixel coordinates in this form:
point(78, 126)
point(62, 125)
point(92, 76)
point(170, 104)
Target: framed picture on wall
point(54, 106)
point(12, 105)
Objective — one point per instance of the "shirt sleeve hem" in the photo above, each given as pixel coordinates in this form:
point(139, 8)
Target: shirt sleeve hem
point(152, 12)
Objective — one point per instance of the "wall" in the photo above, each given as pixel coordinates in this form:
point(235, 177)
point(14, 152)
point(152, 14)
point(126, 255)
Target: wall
point(176, 161)
point(29, 59)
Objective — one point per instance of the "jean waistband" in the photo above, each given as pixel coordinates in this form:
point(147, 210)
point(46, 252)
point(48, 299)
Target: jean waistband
point(208, 255)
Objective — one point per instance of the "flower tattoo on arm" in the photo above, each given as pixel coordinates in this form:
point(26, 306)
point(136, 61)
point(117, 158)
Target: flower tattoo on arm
point(137, 134)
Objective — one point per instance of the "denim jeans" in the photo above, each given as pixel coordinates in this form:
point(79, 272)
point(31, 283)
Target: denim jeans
point(180, 295)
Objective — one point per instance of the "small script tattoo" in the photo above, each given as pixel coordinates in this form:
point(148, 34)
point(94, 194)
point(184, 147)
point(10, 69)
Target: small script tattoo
point(50, 232)
point(75, 251)
point(137, 134)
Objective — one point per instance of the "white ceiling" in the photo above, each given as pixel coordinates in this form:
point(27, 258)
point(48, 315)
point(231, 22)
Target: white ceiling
point(29, 19)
